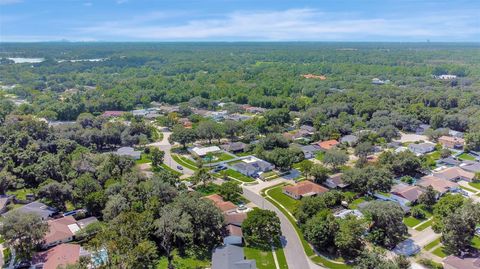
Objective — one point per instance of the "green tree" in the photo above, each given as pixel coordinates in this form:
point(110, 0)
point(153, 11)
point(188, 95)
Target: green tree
point(335, 158)
point(55, 193)
point(319, 173)
point(428, 198)
point(444, 207)
point(202, 175)
point(348, 237)
point(157, 156)
point(320, 230)
point(306, 167)
point(230, 191)
point(387, 227)
point(209, 130)
point(23, 232)
point(261, 228)
point(182, 135)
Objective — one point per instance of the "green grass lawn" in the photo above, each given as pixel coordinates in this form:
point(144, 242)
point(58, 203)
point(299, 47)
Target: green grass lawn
point(319, 156)
point(289, 203)
point(282, 261)
point(185, 162)
point(475, 185)
point(466, 157)
point(264, 259)
point(167, 168)
point(432, 244)
point(354, 204)
point(144, 158)
point(329, 264)
point(207, 190)
point(239, 176)
point(436, 155)
point(21, 194)
point(424, 225)
point(439, 252)
point(468, 189)
point(411, 221)
point(184, 263)
point(223, 157)
point(476, 242)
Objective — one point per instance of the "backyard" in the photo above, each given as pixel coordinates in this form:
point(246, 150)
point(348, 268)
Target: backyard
point(289, 203)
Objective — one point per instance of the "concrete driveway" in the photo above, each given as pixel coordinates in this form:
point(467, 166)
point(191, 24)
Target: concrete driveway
point(293, 249)
point(165, 146)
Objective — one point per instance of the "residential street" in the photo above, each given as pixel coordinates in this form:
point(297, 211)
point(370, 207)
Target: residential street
point(165, 146)
point(293, 249)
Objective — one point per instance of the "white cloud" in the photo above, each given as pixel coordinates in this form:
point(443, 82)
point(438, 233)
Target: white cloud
point(291, 24)
point(8, 2)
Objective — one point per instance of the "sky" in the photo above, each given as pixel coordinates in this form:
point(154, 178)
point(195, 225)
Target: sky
point(240, 20)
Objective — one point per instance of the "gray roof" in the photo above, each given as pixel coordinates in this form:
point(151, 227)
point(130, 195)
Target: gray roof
point(257, 166)
point(449, 161)
point(308, 128)
point(231, 257)
point(310, 148)
point(422, 146)
point(473, 167)
point(85, 222)
point(128, 151)
point(234, 146)
point(349, 139)
point(37, 208)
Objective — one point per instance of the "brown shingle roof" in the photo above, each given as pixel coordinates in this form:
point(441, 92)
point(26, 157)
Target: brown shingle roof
point(454, 173)
point(58, 229)
point(462, 263)
point(305, 188)
point(411, 193)
point(438, 184)
point(234, 230)
point(60, 255)
point(220, 203)
point(235, 219)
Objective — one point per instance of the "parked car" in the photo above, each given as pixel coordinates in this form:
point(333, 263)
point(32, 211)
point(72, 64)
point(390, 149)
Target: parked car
point(179, 167)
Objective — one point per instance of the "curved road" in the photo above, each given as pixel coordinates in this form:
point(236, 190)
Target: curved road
point(293, 249)
point(165, 146)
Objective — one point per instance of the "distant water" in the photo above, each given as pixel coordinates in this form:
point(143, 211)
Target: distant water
point(19, 60)
point(83, 60)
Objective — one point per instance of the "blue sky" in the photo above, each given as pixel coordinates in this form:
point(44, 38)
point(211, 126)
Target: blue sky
point(240, 20)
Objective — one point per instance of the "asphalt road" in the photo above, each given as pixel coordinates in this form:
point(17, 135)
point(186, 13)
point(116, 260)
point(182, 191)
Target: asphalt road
point(293, 249)
point(165, 146)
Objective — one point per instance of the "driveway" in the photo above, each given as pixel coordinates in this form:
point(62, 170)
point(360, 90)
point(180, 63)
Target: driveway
point(293, 249)
point(165, 146)
point(424, 237)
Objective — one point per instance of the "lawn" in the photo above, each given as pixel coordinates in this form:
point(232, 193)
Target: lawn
point(144, 158)
point(411, 221)
point(476, 242)
point(319, 156)
point(282, 261)
point(329, 264)
point(167, 168)
point(468, 189)
point(475, 185)
point(436, 155)
point(20, 194)
point(466, 157)
point(439, 252)
point(207, 190)
point(184, 263)
point(432, 244)
point(239, 176)
point(354, 204)
point(264, 259)
point(289, 203)
point(221, 157)
point(424, 225)
point(184, 161)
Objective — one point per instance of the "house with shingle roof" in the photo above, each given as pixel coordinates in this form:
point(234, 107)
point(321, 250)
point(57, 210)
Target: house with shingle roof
point(421, 148)
point(224, 206)
point(231, 257)
point(411, 193)
point(335, 181)
point(440, 185)
point(454, 174)
point(467, 262)
point(40, 209)
point(327, 145)
point(470, 166)
point(303, 189)
point(451, 142)
point(59, 256)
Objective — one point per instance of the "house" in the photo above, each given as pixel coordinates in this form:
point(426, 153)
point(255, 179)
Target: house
point(449, 161)
point(203, 151)
point(421, 148)
point(185, 122)
point(234, 235)
point(446, 77)
point(252, 166)
point(129, 152)
point(59, 256)
point(420, 130)
point(225, 206)
point(303, 189)
point(63, 230)
point(231, 257)
point(442, 186)
point(469, 166)
point(235, 147)
point(467, 262)
point(454, 174)
point(327, 145)
point(377, 81)
point(410, 193)
point(349, 140)
point(335, 181)
point(113, 114)
point(253, 109)
point(310, 151)
point(236, 219)
point(37, 208)
point(451, 142)
point(347, 212)
point(456, 133)
point(307, 128)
